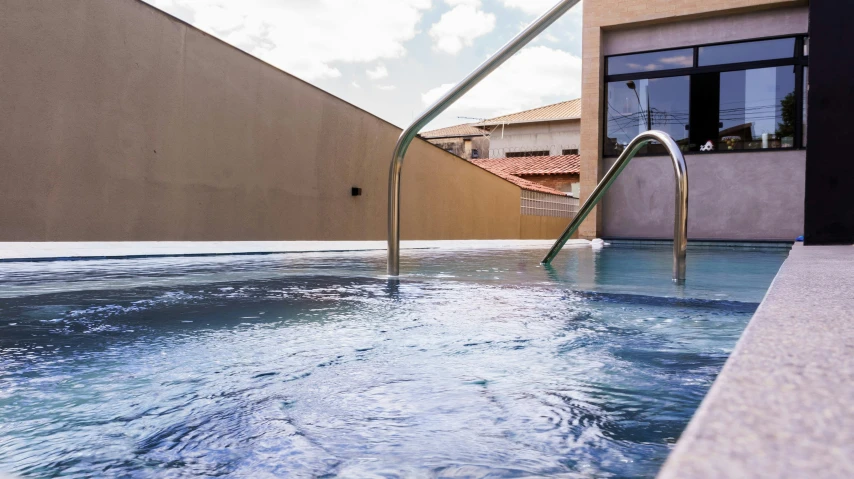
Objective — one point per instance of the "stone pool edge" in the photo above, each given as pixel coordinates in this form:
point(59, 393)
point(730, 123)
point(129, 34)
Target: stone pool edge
point(783, 405)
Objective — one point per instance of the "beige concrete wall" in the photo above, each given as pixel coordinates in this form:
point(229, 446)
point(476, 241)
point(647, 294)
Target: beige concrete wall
point(118, 123)
point(602, 17)
point(544, 227)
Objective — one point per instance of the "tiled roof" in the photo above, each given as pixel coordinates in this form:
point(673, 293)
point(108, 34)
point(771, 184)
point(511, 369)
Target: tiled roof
point(453, 132)
point(511, 168)
point(567, 110)
point(527, 185)
point(533, 165)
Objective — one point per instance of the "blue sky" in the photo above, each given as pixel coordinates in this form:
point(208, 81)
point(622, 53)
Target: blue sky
point(393, 57)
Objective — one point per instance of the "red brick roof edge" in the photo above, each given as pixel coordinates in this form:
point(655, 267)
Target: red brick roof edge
point(512, 168)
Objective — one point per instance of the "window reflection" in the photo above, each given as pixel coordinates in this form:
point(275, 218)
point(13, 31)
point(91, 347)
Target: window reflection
point(648, 62)
point(640, 105)
point(757, 109)
point(711, 108)
point(747, 52)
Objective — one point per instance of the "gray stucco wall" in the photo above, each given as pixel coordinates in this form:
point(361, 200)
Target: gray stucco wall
point(733, 196)
point(788, 21)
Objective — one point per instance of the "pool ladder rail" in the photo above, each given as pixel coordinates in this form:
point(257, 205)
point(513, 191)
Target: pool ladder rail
point(454, 94)
point(532, 31)
point(680, 226)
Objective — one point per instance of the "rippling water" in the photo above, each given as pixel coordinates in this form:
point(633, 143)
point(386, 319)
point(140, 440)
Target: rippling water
point(482, 364)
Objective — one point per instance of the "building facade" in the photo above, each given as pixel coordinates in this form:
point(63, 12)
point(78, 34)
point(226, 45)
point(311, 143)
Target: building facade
point(560, 173)
point(465, 141)
point(551, 130)
point(729, 81)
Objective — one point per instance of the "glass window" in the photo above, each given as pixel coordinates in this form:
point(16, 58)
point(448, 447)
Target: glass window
point(649, 62)
point(640, 105)
point(757, 109)
point(710, 108)
point(747, 52)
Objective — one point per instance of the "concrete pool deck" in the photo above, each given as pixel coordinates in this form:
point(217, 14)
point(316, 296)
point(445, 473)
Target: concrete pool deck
point(783, 406)
point(10, 252)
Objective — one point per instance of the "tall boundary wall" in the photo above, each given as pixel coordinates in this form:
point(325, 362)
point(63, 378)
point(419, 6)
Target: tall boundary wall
point(119, 122)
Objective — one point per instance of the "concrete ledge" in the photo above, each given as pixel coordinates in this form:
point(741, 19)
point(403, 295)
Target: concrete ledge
point(692, 243)
point(16, 252)
point(783, 406)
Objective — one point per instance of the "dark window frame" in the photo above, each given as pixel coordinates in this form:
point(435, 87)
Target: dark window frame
point(799, 60)
point(527, 154)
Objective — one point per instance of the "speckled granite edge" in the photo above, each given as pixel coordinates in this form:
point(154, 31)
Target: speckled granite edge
point(783, 406)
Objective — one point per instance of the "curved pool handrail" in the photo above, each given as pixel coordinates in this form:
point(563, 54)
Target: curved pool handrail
point(441, 105)
point(680, 227)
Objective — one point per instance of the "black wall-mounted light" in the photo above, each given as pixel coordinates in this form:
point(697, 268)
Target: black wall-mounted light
point(356, 191)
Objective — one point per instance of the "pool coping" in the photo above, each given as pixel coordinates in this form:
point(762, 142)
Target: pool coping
point(704, 244)
point(783, 405)
point(89, 251)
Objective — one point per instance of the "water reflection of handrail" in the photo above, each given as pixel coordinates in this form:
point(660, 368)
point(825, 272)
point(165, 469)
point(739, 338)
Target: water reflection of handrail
point(680, 227)
point(441, 105)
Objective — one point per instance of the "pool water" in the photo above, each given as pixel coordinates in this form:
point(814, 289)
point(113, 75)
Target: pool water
point(476, 364)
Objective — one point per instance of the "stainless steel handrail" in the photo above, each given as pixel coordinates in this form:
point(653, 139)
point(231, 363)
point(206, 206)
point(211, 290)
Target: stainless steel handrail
point(441, 105)
point(680, 228)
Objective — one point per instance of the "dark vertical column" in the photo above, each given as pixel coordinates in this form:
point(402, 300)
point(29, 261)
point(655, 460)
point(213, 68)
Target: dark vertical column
point(830, 150)
point(705, 110)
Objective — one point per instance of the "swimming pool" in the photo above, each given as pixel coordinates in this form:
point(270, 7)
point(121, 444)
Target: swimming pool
point(476, 364)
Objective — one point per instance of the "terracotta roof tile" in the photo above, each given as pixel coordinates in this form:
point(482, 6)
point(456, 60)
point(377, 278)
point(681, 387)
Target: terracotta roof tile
point(533, 165)
point(453, 132)
point(511, 168)
point(527, 185)
point(567, 110)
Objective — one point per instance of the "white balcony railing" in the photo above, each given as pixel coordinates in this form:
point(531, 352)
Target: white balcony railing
point(545, 204)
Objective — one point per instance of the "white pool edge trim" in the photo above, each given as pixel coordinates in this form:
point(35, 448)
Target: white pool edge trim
point(33, 251)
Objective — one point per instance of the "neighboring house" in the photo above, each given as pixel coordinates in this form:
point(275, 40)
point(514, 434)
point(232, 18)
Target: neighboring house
point(728, 81)
point(560, 173)
point(465, 141)
point(547, 182)
point(551, 130)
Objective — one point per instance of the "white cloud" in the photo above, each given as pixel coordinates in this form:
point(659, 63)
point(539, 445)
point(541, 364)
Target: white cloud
point(459, 27)
point(307, 37)
point(387, 87)
point(356, 84)
point(528, 80)
point(378, 73)
point(531, 7)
